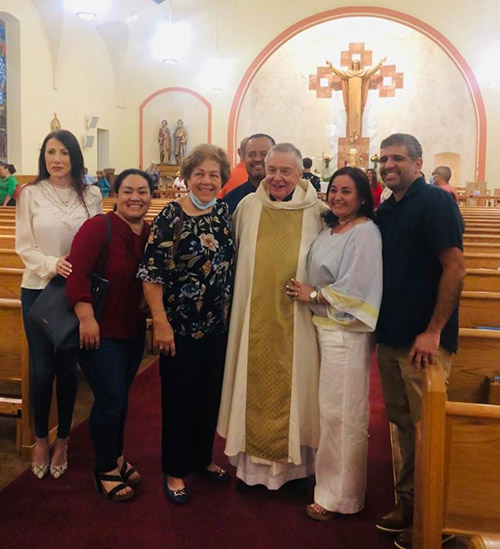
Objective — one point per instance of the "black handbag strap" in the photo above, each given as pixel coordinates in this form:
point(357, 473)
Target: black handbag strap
point(104, 256)
point(178, 230)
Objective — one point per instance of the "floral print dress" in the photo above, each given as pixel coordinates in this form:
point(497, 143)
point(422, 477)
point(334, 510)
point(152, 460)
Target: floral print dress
point(198, 282)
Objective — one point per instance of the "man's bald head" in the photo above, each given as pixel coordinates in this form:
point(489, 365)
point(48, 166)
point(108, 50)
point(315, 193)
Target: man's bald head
point(442, 174)
point(241, 148)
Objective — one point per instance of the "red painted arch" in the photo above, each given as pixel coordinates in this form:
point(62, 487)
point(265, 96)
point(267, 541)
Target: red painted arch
point(166, 90)
point(368, 11)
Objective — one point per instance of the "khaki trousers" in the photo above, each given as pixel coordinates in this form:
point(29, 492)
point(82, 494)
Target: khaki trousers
point(402, 390)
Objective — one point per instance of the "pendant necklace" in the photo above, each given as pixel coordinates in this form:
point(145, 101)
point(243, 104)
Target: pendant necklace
point(59, 197)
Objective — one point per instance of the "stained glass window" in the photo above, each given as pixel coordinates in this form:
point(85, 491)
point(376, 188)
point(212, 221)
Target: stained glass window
point(3, 93)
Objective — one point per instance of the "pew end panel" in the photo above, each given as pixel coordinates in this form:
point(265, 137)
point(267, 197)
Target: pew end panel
point(472, 457)
point(456, 466)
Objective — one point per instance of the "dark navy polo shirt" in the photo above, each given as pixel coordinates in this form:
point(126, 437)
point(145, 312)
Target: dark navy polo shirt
point(414, 230)
point(234, 197)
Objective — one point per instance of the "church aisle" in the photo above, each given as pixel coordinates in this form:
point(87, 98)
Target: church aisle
point(68, 512)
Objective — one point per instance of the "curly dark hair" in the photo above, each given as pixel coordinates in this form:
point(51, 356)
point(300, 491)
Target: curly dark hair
point(362, 188)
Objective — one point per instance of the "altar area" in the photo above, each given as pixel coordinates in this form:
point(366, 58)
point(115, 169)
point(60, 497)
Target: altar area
point(295, 96)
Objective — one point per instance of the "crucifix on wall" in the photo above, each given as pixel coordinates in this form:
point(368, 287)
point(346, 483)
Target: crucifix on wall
point(355, 82)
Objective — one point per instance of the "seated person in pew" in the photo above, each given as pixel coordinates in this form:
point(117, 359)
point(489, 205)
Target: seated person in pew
point(441, 178)
point(423, 272)
point(49, 213)
point(8, 184)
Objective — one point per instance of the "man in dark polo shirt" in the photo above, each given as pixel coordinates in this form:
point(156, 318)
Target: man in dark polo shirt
point(256, 151)
point(418, 321)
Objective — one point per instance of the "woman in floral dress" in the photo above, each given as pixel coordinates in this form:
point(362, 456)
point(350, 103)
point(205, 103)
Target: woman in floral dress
point(187, 273)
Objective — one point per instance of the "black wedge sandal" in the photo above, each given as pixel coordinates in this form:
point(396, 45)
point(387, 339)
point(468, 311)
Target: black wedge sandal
point(127, 471)
point(113, 493)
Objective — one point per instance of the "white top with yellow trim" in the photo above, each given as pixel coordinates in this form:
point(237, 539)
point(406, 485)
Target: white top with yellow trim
point(347, 269)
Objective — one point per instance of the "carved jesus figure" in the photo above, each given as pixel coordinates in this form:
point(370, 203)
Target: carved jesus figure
point(355, 83)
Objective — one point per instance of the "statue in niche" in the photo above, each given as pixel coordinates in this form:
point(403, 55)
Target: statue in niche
point(353, 156)
point(180, 141)
point(55, 124)
point(355, 83)
point(164, 142)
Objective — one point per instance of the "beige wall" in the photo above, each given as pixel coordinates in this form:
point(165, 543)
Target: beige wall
point(87, 72)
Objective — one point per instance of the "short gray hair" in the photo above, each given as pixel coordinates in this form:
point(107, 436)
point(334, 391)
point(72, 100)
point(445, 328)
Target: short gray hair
point(413, 147)
point(444, 172)
point(287, 148)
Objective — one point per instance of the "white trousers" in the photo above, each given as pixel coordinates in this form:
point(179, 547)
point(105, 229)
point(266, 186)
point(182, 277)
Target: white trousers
point(344, 415)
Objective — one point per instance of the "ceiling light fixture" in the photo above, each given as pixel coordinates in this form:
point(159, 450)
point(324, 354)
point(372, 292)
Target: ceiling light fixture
point(87, 9)
point(170, 41)
point(216, 73)
point(87, 15)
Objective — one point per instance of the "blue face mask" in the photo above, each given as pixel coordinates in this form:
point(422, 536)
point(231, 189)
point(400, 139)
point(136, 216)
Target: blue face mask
point(431, 180)
point(201, 205)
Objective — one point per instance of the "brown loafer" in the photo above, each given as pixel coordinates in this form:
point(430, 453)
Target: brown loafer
point(399, 519)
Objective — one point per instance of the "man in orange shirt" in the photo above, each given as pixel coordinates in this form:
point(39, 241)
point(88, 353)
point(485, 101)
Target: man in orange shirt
point(238, 173)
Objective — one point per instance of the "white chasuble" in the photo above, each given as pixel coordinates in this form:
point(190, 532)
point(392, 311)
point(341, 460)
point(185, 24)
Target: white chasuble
point(269, 407)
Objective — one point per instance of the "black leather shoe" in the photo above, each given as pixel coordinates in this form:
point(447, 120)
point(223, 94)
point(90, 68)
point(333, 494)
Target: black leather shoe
point(178, 497)
point(399, 519)
point(405, 539)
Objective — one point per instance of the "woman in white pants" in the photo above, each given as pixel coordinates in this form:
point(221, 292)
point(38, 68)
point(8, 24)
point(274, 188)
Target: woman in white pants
point(344, 291)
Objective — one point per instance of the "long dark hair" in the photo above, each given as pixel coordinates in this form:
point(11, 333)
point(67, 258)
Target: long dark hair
point(362, 188)
point(75, 156)
point(374, 182)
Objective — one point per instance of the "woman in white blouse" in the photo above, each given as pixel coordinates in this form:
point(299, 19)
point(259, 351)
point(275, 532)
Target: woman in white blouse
point(49, 213)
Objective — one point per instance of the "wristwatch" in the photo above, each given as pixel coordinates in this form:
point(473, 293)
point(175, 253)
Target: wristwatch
point(314, 296)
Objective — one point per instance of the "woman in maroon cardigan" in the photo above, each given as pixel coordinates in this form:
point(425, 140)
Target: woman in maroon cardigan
point(112, 347)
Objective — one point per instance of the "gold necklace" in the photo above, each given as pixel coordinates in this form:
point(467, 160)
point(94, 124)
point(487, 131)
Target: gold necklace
point(59, 197)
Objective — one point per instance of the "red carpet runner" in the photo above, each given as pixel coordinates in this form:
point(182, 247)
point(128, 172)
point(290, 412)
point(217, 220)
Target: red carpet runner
point(68, 513)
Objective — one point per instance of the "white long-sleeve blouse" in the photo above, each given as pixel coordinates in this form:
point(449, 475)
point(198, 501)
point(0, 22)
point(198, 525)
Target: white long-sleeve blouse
point(47, 219)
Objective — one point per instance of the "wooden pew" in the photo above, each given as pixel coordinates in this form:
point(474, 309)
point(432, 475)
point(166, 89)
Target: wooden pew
point(477, 357)
point(7, 242)
point(479, 309)
point(482, 247)
point(14, 373)
point(483, 238)
point(484, 541)
point(482, 280)
point(458, 449)
point(482, 261)
point(9, 258)
point(482, 229)
point(10, 283)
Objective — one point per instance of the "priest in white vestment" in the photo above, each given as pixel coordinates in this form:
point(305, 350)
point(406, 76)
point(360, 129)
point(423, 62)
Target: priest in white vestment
point(269, 410)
